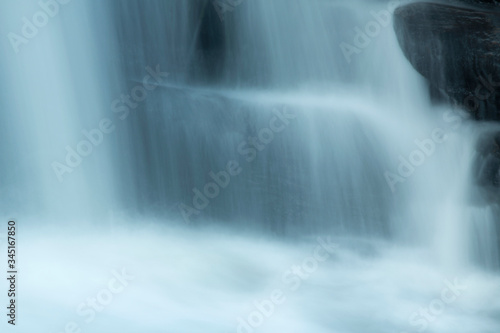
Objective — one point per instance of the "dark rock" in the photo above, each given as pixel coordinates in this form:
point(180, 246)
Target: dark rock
point(487, 169)
point(456, 46)
point(457, 49)
point(475, 2)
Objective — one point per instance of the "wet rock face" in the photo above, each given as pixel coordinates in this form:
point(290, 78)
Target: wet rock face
point(487, 168)
point(488, 2)
point(457, 48)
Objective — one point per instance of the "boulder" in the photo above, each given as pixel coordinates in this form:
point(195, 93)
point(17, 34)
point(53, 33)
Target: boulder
point(456, 46)
point(486, 170)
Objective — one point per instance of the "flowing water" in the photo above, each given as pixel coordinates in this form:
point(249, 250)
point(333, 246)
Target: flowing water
point(262, 178)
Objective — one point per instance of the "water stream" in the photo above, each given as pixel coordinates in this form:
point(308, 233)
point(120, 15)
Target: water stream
point(261, 168)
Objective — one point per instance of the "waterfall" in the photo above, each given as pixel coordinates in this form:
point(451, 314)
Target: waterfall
point(56, 85)
point(206, 145)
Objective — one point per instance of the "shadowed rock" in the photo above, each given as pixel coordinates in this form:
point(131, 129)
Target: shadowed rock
point(456, 46)
point(457, 49)
point(487, 168)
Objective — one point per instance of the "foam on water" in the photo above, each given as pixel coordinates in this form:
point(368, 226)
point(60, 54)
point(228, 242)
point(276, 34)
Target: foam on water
point(206, 280)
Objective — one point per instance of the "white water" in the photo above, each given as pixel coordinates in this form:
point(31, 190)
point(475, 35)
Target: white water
point(204, 280)
point(322, 176)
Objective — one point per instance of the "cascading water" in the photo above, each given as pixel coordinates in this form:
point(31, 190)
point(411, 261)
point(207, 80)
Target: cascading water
point(231, 138)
